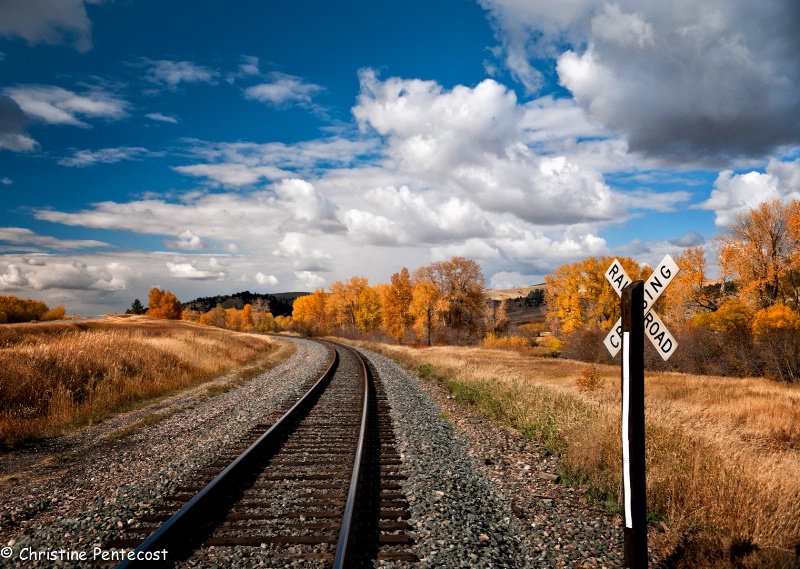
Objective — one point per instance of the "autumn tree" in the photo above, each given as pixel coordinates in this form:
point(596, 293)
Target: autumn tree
point(690, 293)
point(262, 318)
point(578, 295)
point(460, 283)
point(427, 304)
point(343, 302)
point(163, 304)
point(233, 319)
point(56, 313)
point(214, 317)
point(761, 254)
point(189, 314)
point(247, 317)
point(17, 309)
point(777, 334)
point(368, 309)
point(309, 313)
point(396, 299)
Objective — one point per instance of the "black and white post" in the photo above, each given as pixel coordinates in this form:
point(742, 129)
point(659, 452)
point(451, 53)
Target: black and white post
point(633, 464)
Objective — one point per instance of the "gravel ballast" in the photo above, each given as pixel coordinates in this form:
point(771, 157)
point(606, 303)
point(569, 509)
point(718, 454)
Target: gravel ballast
point(480, 495)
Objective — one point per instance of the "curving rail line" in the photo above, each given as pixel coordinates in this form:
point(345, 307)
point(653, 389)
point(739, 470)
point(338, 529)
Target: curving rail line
point(301, 457)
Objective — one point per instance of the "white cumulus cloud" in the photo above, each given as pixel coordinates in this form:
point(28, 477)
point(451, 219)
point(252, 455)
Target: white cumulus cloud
point(266, 280)
point(734, 194)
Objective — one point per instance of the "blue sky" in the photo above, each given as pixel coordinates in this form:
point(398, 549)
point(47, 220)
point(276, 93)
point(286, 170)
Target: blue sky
point(211, 147)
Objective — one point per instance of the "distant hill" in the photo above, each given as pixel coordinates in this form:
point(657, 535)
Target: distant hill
point(280, 303)
point(523, 304)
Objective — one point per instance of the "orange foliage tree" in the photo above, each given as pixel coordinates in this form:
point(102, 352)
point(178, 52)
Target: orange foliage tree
point(163, 304)
point(762, 254)
point(14, 309)
point(396, 298)
point(690, 293)
point(309, 313)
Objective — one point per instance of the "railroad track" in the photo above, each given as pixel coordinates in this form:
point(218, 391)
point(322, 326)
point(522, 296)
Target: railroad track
point(319, 482)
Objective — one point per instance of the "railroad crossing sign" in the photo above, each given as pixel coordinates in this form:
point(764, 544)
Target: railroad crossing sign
point(654, 328)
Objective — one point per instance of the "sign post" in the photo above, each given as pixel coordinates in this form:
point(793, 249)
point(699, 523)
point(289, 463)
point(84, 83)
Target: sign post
point(633, 467)
point(637, 321)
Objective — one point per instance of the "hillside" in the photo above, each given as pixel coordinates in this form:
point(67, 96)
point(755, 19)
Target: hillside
point(522, 303)
point(280, 303)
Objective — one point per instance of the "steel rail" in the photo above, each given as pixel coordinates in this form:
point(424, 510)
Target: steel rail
point(346, 534)
point(182, 524)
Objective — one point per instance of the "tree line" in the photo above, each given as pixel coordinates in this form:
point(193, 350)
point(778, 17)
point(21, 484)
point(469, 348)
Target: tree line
point(747, 322)
point(439, 303)
point(442, 302)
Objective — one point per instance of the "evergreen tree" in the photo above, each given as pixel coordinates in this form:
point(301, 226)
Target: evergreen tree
point(136, 308)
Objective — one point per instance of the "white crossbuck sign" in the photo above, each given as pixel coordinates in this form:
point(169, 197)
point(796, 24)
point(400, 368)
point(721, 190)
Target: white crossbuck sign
point(654, 328)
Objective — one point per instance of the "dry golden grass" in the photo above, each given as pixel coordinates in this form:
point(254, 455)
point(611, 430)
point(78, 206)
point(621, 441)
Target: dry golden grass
point(58, 375)
point(723, 454)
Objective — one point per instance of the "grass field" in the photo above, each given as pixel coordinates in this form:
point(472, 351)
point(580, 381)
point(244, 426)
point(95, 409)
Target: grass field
point(723, 455)
point(60, 375)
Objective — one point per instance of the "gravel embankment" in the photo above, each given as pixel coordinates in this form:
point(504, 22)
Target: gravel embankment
point(68, 509)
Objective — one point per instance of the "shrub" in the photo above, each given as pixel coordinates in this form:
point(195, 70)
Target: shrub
point(56, 313)
point(586, 345)
point(554, 346)
point(590, 379)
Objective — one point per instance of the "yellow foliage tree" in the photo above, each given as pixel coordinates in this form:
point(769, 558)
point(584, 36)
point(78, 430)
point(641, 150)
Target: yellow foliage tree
point(343, 302)
point(56, 313)
point(496, 317)
point(579, 296)
point(22, 310)
point(262, 318)
point(163, 304)
point(214, 317)
point(309, 313)
point(777, 334)
point(284, 322)
point(775, 317)
point(233, 319)
point(733, 316)
point(368, 309)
